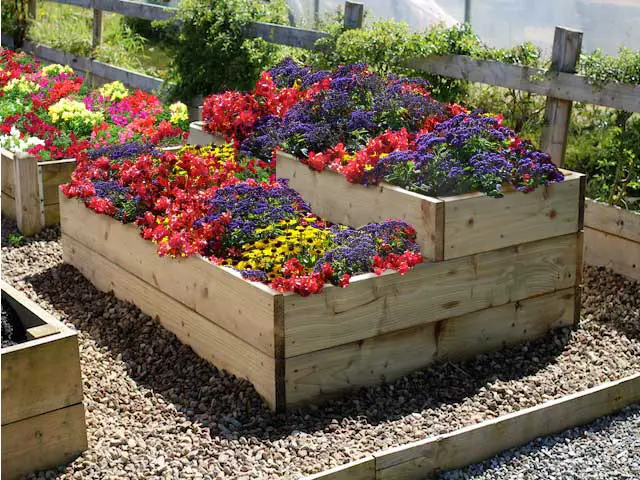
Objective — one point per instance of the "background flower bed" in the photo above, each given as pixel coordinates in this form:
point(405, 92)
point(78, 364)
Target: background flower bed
point(49, 111)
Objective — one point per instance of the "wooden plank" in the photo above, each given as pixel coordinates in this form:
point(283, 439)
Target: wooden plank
point(55, 174)
point(31, 314)
point(567, 45)
point(8, 183)
point(198, 136)
point(617, 253)
point(134, 9)
point(27, 194)
point(41, 331)
point(363, 469)
point(51, 212)
point(353, 14)
point(284, 35)
point(561, 85)
point(97, 29)
point(492, 329)
point(40, 376)
point(319, 375)
point(475, 443)
point(193, 281)
point(374, 305)
point(476, 223)
point(333, 198)
point(207, 339)
point(612, 219)
point(43, 442)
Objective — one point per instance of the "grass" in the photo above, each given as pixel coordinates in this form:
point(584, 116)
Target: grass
point(69, 28)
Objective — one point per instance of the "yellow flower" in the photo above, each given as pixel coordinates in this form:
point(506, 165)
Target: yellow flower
point(55, 69)
point(67, 110)
point(179, 112)
point(114, 91)
point(21, 86)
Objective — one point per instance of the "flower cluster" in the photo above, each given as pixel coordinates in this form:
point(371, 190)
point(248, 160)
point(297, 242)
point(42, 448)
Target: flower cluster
point(54, 105)
point(213, 202)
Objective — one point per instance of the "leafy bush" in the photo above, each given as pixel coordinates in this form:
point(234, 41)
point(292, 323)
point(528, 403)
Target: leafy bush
point(14, 20)
point(212, 53)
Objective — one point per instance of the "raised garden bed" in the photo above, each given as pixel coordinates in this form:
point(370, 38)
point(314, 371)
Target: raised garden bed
point(447, 227)
point(43, 423)
point(612, 238)
point(30, 190)
point(425, 458)
point(297, 350)
point(198, 136)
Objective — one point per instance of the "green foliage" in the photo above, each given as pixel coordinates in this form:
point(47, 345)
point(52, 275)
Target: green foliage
point(14, 20)
point(15, 239)
point(212, 53)
point(600, 68)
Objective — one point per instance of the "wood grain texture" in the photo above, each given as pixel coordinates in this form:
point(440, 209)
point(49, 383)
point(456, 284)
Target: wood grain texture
point(320, 374)
point(44, 441)
point(194, 282)
point(8, 184)
point(476, 223)
point(332, 197)
point(285, 35)
point(27, 194)
point(562, 85)
point(51, 212)
point(613, 220)
point(477, 442)
point(363, 469)
point(375, 305)
point(198, 136)
point(205, 337)
point(55, 174)
point(608, 250)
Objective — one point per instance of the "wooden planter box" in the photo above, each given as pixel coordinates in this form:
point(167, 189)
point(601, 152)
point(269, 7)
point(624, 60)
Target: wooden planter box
point(612, 238)
point(447, 227)
point(198, 136)
point(297, 350)
point(30, 190)
point(43, 422)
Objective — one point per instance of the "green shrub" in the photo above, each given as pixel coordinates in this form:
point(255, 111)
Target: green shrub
point(212, 54)
point(14, 20)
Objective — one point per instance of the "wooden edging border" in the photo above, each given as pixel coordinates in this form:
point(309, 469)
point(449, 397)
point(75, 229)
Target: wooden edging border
point(475, 443)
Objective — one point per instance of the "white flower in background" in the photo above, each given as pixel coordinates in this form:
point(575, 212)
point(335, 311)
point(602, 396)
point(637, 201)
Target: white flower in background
point(14, 143)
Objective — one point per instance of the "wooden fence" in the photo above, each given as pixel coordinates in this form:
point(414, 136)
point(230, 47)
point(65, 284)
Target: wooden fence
point(560, 84)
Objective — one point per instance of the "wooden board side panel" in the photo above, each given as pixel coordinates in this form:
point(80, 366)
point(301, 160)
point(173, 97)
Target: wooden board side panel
point(54, 175)
point(207, 339)
point(475, 443)
point(363, 469)
point(197, 284)
point(40, 378)
point(429, 293)
point(477, 223)
point(44, 441)
point(198, 136)
point(332, 197)
point(617, 253)
point(8, 182)
point(317, 375)
point(51, 212)
point(612, 220)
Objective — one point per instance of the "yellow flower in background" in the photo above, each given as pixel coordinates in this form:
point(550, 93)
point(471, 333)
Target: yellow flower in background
point(21, 86)
point(179, 112)
point(114, 91)
point(55, 69)
point(67, 110)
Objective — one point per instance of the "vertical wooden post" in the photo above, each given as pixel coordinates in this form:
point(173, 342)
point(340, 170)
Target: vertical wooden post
point(353, 14)
point(32, 9)
point(467, 11)
point(25, 175)
point(97, 28)
point(567, 44)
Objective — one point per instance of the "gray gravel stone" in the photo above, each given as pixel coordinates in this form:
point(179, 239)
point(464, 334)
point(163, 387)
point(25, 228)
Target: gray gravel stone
point(154, 408)
point(607, 449)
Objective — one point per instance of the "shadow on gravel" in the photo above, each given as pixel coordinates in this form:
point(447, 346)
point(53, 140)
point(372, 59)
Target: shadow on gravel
point(231, 408)
point(11, 238)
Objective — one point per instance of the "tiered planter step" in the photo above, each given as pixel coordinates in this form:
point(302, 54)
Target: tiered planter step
point(297, 350)
point(43, 423)
point(612, 238)
point(30, 190)
point(198, 135)
point(447, 227)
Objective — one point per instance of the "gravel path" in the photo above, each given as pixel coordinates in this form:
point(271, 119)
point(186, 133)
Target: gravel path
point(155, 410)
point(607, 449)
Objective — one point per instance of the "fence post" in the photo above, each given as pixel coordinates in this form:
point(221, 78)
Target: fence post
point(353, 14)
point(567, 44)
point(25, 174)
point(32, 9)
point(96, 41)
